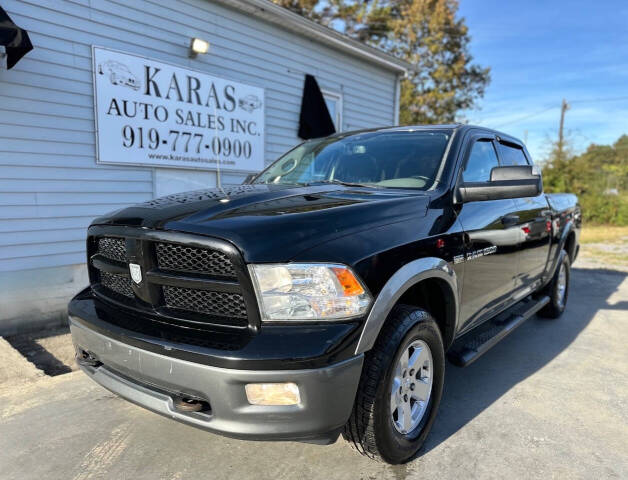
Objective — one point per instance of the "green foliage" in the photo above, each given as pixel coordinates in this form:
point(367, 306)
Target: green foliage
point(599, 177)
point(302, 7)
point(426, 34)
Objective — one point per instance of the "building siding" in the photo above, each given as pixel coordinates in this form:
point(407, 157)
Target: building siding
point(50, 185)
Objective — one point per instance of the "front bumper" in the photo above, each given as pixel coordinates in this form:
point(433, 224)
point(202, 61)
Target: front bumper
point(153, 381)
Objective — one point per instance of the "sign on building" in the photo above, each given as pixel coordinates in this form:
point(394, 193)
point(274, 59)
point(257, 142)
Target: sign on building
point(153, 113)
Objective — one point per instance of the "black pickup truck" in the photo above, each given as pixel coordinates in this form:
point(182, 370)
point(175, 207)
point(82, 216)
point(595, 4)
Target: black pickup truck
point(321, 296)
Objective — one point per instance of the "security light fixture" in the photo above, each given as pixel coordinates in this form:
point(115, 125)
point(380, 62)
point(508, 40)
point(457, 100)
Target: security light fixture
point(197, 46)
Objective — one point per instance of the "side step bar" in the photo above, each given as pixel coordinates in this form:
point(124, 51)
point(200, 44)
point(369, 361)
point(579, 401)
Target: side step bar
point(471, 346)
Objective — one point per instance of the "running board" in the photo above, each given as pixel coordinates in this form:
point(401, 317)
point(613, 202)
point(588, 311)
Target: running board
point(471, 346)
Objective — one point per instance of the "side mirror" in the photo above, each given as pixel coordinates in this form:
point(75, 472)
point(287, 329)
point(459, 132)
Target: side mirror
point(516, 181)
point(249, 178)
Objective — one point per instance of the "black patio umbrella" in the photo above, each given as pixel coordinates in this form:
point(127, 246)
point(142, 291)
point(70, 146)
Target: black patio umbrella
point(14, 39)
point(314, 121)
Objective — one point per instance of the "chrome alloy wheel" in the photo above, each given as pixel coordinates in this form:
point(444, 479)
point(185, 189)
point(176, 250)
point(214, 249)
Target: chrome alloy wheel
point(411, 387)
point(561, 285)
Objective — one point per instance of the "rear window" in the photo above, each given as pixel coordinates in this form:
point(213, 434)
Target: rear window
point(512, 155)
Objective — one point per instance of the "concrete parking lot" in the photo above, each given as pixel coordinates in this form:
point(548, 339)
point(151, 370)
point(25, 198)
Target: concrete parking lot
point(550, 401)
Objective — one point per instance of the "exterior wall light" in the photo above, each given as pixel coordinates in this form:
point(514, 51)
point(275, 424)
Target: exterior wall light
point(197, 46)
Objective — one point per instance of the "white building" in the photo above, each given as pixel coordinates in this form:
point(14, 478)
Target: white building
point(58, 170)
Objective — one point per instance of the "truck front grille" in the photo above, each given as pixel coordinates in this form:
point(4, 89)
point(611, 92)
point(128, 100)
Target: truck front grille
point(187, 280)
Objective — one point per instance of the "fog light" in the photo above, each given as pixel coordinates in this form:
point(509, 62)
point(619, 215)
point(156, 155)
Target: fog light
point(272, 393)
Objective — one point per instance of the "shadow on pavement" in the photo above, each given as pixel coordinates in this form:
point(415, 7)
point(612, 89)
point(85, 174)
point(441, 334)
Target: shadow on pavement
point(41, 350)
point(469, 391)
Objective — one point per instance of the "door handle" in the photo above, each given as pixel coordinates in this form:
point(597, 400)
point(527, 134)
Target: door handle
point(509, 220)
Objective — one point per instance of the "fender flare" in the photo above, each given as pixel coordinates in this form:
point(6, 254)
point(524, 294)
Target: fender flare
point(561, 244)
point(404, 278)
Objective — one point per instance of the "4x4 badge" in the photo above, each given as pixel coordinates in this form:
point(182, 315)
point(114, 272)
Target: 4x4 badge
point(136, 272)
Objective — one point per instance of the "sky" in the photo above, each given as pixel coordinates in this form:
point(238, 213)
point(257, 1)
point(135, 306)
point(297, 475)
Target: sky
point(543, 51)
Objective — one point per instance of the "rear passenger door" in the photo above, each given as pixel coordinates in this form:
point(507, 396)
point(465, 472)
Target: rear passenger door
point(492, 237)
point(534, 221)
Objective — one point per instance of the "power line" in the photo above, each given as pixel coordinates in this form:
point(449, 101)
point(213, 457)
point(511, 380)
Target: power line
point(594, 100)
point(525, 117)
point(584, 100)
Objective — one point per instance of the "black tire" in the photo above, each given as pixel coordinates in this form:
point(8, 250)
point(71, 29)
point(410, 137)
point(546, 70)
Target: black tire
point(558, 301)
point(370, 428)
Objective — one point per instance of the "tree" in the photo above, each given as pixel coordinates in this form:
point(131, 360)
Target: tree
point(425, 33)
point(557, 168)
point(599, 176)
point(304, 8)
point(428, 35)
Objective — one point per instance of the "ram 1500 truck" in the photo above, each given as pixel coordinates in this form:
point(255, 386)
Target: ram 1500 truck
point(322, 296)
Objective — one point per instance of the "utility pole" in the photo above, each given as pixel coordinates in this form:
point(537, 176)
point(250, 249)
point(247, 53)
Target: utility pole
point(561, 139)
point(525, 136)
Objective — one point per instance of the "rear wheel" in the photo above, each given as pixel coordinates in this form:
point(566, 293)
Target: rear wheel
point(558, 289)
point(400, 388)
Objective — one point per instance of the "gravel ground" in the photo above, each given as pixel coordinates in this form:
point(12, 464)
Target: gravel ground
point(604, 247)
point(550, 401)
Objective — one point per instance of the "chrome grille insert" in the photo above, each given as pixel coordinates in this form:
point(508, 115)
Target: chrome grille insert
point(120, 284)
point(112, 248)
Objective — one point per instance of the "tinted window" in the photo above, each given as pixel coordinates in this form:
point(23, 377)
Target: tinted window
point(512, 155)
point(481, 160)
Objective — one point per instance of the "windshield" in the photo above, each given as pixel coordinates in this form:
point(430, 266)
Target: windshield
point(393, 159)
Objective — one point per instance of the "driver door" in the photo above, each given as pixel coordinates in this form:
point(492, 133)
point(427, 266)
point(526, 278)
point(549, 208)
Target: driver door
point(491, 240)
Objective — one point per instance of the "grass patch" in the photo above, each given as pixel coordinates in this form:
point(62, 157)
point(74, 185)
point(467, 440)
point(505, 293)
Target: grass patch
point(604, 234)
point(605, 244)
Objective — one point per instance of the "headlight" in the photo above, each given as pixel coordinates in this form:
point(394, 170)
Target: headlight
point(308, 291)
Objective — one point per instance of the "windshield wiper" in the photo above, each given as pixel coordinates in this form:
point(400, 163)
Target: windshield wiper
point(337, 182)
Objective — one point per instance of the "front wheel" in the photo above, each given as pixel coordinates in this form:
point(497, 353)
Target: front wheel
point(400, 388)
point(558, 289)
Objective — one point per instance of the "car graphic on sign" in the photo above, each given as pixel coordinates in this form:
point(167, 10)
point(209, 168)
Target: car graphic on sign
point(250, 103)
point(119, 74)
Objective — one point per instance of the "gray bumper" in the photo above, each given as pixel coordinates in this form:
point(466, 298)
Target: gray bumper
point(152, 381)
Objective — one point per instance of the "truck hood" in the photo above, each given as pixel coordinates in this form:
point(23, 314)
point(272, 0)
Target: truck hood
point(271, 223)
